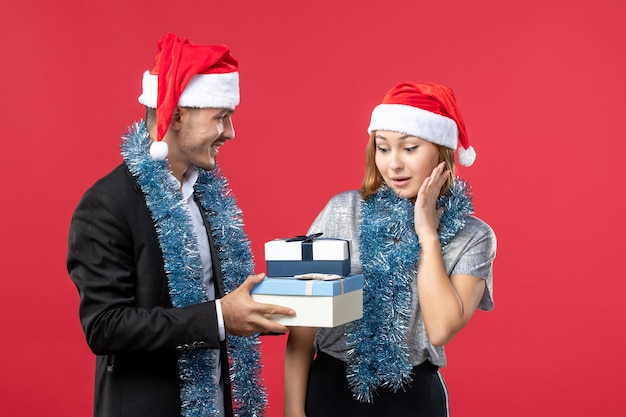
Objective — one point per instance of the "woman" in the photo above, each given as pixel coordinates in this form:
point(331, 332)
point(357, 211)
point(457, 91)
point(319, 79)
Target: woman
point(427, 263)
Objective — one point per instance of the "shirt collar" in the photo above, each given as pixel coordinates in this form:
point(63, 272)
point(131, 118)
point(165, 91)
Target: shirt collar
point(189, 180)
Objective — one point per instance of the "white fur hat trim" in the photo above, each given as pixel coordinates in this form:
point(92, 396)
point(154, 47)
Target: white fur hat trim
point(202, 91)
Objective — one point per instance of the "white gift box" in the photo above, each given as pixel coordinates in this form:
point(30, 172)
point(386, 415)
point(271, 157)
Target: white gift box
point(317, 303)
point(301, 255)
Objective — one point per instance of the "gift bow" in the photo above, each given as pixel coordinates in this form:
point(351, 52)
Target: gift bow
point(305, 238)
point(313, 278)
point(307, 244)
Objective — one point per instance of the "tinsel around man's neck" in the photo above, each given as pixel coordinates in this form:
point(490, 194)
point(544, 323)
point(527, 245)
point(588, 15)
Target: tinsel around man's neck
point(184, 270)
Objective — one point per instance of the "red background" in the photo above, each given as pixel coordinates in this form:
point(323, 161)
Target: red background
point(541, 87)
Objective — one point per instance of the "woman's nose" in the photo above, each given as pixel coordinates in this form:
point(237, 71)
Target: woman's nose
point(395, 160)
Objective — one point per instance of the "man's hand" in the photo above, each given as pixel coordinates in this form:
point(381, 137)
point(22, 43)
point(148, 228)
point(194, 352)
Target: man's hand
point(244, 316)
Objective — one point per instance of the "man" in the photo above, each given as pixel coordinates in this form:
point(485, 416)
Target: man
point(160, 259)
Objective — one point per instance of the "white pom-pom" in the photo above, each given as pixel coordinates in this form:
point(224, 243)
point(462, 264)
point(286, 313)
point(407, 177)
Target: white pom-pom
point(467, 156)
point(158, 150)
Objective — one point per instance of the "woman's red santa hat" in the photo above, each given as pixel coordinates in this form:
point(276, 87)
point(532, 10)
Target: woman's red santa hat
point(188, 75)
point(425, 110)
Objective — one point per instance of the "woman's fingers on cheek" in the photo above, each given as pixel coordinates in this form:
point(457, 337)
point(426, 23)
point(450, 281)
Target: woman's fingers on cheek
point(423, 186)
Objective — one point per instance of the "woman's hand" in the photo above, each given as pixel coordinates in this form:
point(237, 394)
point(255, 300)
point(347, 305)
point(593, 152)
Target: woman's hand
point(426, 216)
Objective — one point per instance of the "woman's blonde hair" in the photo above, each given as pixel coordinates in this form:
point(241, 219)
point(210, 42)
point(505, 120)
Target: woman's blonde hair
point(372, 180)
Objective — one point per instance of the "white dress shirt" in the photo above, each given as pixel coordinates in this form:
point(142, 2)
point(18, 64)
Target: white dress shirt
point(189, 179)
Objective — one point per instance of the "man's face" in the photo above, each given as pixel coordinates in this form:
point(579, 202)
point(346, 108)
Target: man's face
point(202, 132)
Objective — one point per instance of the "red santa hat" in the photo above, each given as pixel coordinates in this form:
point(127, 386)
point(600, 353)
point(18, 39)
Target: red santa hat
point(188, 75)
point(425, 110)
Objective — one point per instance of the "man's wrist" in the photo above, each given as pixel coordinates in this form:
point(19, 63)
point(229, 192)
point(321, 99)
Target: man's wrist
point(220, 320)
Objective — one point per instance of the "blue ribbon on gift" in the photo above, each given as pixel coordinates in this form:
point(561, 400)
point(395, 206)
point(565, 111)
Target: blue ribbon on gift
point(307, 244)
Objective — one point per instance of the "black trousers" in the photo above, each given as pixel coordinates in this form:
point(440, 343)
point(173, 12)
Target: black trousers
point(328, 394)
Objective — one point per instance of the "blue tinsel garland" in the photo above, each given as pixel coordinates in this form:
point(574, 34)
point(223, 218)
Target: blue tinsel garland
point(184, 270)
point(378, 352)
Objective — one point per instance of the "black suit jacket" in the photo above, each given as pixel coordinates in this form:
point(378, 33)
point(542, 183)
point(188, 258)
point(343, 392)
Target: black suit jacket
point(125, 310)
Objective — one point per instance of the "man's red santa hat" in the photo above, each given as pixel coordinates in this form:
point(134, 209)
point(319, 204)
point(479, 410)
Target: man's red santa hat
point(188, 75)
point(425, 110)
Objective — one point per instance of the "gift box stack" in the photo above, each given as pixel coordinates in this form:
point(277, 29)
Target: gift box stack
point(312, 276)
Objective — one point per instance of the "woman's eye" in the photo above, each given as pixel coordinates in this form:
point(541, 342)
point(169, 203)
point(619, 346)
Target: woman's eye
point(411, 148)
point(381, 149)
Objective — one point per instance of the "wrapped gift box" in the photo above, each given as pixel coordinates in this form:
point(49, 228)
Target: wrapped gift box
point(317, 303)
point(304, 254)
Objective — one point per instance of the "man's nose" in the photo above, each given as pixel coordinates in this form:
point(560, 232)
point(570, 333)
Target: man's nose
point(229, 129)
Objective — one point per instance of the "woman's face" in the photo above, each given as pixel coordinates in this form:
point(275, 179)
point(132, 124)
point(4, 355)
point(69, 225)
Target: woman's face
point(404, 161)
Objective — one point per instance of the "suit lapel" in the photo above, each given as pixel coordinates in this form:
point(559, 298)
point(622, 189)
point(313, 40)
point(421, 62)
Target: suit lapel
point(218, 285)
point(218, 282)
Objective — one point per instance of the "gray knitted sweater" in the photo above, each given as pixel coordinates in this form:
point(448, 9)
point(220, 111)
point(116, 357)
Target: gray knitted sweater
point(471, 252)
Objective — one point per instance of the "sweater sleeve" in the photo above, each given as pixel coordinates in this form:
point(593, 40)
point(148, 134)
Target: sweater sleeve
point(473, 251)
